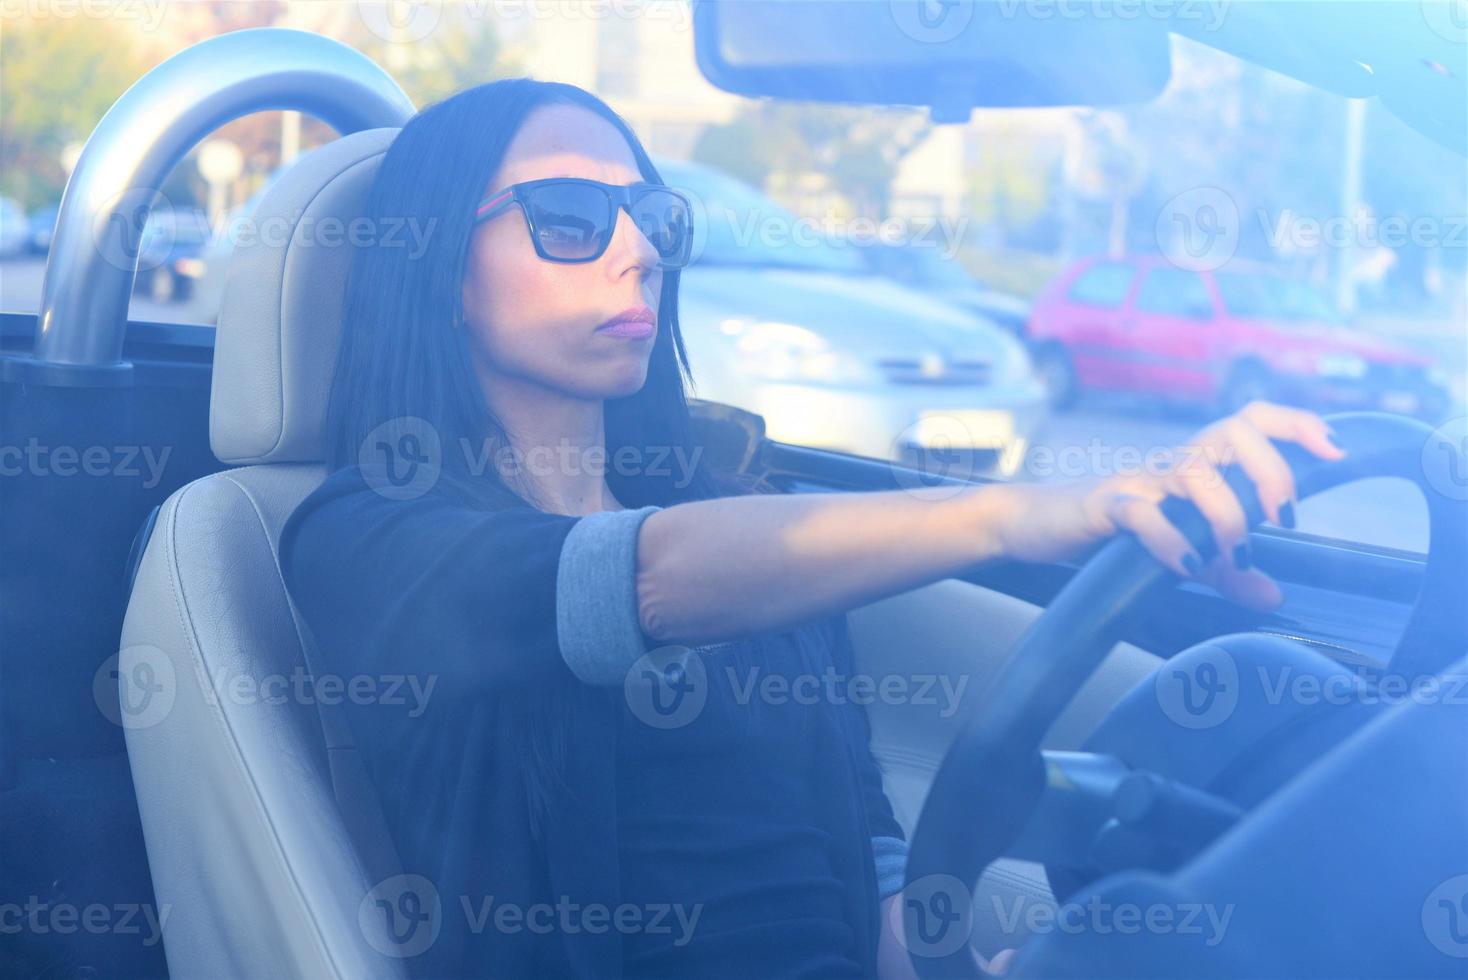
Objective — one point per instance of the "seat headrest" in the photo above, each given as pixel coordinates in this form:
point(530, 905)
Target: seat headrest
point(280, 316)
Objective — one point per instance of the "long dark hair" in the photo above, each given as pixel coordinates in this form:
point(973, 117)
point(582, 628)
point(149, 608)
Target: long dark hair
point(404, 355)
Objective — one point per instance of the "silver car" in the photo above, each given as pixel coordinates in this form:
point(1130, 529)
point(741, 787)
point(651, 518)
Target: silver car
point(835, 356)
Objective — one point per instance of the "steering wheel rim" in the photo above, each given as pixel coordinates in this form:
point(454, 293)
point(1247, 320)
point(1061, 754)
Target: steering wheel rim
point(993, 775)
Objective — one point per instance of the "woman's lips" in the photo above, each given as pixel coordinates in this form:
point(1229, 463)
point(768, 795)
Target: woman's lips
point(634, 324)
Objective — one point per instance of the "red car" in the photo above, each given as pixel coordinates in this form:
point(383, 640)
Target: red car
point(1218, 338)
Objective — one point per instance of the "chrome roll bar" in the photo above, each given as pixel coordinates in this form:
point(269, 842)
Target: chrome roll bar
point(95, 250)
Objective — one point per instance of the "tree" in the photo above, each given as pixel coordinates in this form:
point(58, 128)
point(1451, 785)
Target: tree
point(858, 149)
point(463, 50)
point(58, 77)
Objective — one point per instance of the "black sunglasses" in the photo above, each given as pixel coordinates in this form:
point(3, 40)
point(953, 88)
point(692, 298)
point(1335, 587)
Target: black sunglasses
point(572, 219)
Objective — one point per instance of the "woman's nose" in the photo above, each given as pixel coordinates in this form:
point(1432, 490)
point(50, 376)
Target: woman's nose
point(630, 246)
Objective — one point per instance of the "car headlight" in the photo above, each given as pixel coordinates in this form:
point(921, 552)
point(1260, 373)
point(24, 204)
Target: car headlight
point(1340, 366)
point(789, 352)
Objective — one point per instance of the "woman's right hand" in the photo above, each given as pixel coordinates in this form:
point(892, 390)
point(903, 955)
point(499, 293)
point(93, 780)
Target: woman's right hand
point(1051, 523)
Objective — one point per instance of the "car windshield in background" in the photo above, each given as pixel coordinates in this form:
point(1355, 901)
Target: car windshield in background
point(1035, 294)
point(1272, 297)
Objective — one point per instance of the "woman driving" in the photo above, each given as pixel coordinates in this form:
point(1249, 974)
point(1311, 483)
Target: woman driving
point(519, 519)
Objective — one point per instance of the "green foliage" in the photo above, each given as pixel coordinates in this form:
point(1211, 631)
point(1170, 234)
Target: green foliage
point(858, 149)
point(58, 77)
point(462, 51)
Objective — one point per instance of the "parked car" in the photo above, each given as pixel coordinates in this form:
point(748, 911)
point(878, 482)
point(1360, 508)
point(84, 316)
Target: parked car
point(785, 324)
point(1217, 338)
point(929, 269)
point(12, 228)
point(39, 228)
point(169, 254)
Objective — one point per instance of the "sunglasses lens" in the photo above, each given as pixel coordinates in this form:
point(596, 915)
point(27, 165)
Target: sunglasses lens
point(570, 220)
point(663, 218)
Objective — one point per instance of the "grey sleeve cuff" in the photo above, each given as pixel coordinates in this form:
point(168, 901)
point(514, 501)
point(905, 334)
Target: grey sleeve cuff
point(890, 854)
point(597, 624)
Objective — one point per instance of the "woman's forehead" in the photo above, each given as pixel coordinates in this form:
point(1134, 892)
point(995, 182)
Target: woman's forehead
point(567, 141)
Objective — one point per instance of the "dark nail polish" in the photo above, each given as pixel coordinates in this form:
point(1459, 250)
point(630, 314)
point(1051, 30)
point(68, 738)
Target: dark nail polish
point(1242, 559)
point(1287, 516)
point(1192, 564)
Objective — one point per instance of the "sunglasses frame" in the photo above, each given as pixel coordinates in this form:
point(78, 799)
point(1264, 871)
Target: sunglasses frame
point(619, 197)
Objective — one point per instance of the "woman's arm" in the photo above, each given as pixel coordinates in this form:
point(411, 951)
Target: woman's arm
point(718, 569)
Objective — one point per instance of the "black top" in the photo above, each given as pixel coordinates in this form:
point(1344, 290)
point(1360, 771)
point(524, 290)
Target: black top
point(716, 761)
point(457, 588)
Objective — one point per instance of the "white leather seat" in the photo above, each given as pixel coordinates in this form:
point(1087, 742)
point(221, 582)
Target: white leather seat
point(263, 836)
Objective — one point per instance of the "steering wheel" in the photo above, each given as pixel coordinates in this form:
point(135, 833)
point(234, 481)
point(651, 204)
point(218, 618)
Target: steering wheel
point(994, 776)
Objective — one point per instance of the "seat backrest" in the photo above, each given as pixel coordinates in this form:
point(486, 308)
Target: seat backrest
point(264, 837)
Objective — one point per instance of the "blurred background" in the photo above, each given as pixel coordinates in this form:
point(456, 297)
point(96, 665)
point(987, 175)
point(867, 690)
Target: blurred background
point(1031, 294)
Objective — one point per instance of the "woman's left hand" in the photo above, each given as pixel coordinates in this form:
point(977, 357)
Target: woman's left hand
point(1050, 523)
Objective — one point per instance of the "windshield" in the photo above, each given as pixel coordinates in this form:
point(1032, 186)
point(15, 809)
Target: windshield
point(1271, 205)
point(1273, 298)
point(743, 227)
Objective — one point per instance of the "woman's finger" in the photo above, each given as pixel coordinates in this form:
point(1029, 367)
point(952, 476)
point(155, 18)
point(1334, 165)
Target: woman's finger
point(1294, 424)
point(1157, 534)
point(1251, 587)
point(1199, 481)
point(1238, 441)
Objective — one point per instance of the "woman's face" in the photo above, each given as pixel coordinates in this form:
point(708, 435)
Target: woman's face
point(534, 320)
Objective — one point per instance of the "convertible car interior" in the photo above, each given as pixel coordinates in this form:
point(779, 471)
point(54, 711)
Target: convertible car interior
point(1115, 739)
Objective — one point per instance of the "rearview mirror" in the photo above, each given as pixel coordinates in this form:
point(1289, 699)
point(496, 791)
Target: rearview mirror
point(949, 55)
